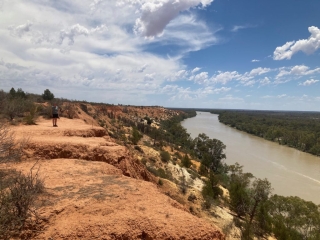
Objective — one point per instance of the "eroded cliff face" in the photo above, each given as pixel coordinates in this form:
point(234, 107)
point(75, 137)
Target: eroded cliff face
point(95, 188)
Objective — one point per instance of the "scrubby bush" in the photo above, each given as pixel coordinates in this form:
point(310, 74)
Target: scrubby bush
point(160, 182)
point(14, 107)
point(69, 110)
point(160, 172)
point(136, 136)
point(102, 122)
point(138, 149)
point(18, 191)
point(16, 202)
point(30, 118)
point(183, 184)
point(10, 150)
point(165, 156)
point(46, 111)
point(186, 162)
point(84, 108)
point(192, 197)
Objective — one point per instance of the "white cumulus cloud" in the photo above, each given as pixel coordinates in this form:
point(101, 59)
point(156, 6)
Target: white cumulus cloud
point(309, 82)
point(197, 69)
point(265, 81)
point(307, 46)
point(200, 78)
point(259, 71)
point(298, 70)
point(157, 14)
point(225, 77)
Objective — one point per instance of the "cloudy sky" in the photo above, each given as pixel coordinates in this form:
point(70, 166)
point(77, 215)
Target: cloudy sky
point(175, 53)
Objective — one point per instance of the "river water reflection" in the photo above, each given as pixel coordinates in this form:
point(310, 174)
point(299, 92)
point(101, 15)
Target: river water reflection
point(291, 172)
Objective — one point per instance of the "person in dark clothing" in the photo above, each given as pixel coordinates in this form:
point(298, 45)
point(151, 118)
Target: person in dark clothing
point(55, 114)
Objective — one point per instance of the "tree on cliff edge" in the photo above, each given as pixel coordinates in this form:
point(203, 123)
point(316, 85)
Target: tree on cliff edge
point(47, 95)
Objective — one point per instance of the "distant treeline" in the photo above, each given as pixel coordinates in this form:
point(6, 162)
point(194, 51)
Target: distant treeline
point(300, 130)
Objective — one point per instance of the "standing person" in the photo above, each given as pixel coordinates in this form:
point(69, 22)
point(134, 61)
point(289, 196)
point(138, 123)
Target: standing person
point(55, 114)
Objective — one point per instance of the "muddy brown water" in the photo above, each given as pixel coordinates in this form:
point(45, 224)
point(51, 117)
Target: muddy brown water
point(291, 172)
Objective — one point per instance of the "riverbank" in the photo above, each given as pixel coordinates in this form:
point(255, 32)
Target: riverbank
point(291, 172)
point(299, 130)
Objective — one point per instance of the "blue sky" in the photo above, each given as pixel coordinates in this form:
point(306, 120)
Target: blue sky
point(234, 54)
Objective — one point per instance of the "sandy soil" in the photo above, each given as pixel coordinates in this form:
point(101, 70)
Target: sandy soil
point(96, 190)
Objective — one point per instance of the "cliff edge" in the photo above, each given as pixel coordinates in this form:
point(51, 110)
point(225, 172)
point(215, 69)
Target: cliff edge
point(95, 189)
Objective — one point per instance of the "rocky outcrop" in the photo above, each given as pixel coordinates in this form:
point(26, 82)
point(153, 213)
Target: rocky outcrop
point(112, 153)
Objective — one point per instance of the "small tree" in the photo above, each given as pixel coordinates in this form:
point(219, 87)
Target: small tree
point(21, 94)
point(239, 190)
point(12, 93)
point(210, 152)
point(211, 187)
point(248, 199)
point(47, 95)
point(186, 162)
point(17, 94)
point(260, 191)
point(294, 218)
point(136, 136)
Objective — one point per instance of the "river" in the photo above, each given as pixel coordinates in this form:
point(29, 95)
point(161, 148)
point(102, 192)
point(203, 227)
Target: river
point(291, 172)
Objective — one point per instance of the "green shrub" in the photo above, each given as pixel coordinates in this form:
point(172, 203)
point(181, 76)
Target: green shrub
point(193, 174)
point(30, 118)
point(136, 136)
point(160, 182)
point(138, 148)
point(183, 185)
point(211, 188)
point(186, 162)
point(84, 108)
point(160, 173)
point(165, 156)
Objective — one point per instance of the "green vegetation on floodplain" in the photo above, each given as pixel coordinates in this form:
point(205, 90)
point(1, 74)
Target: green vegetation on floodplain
point(300, 130)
